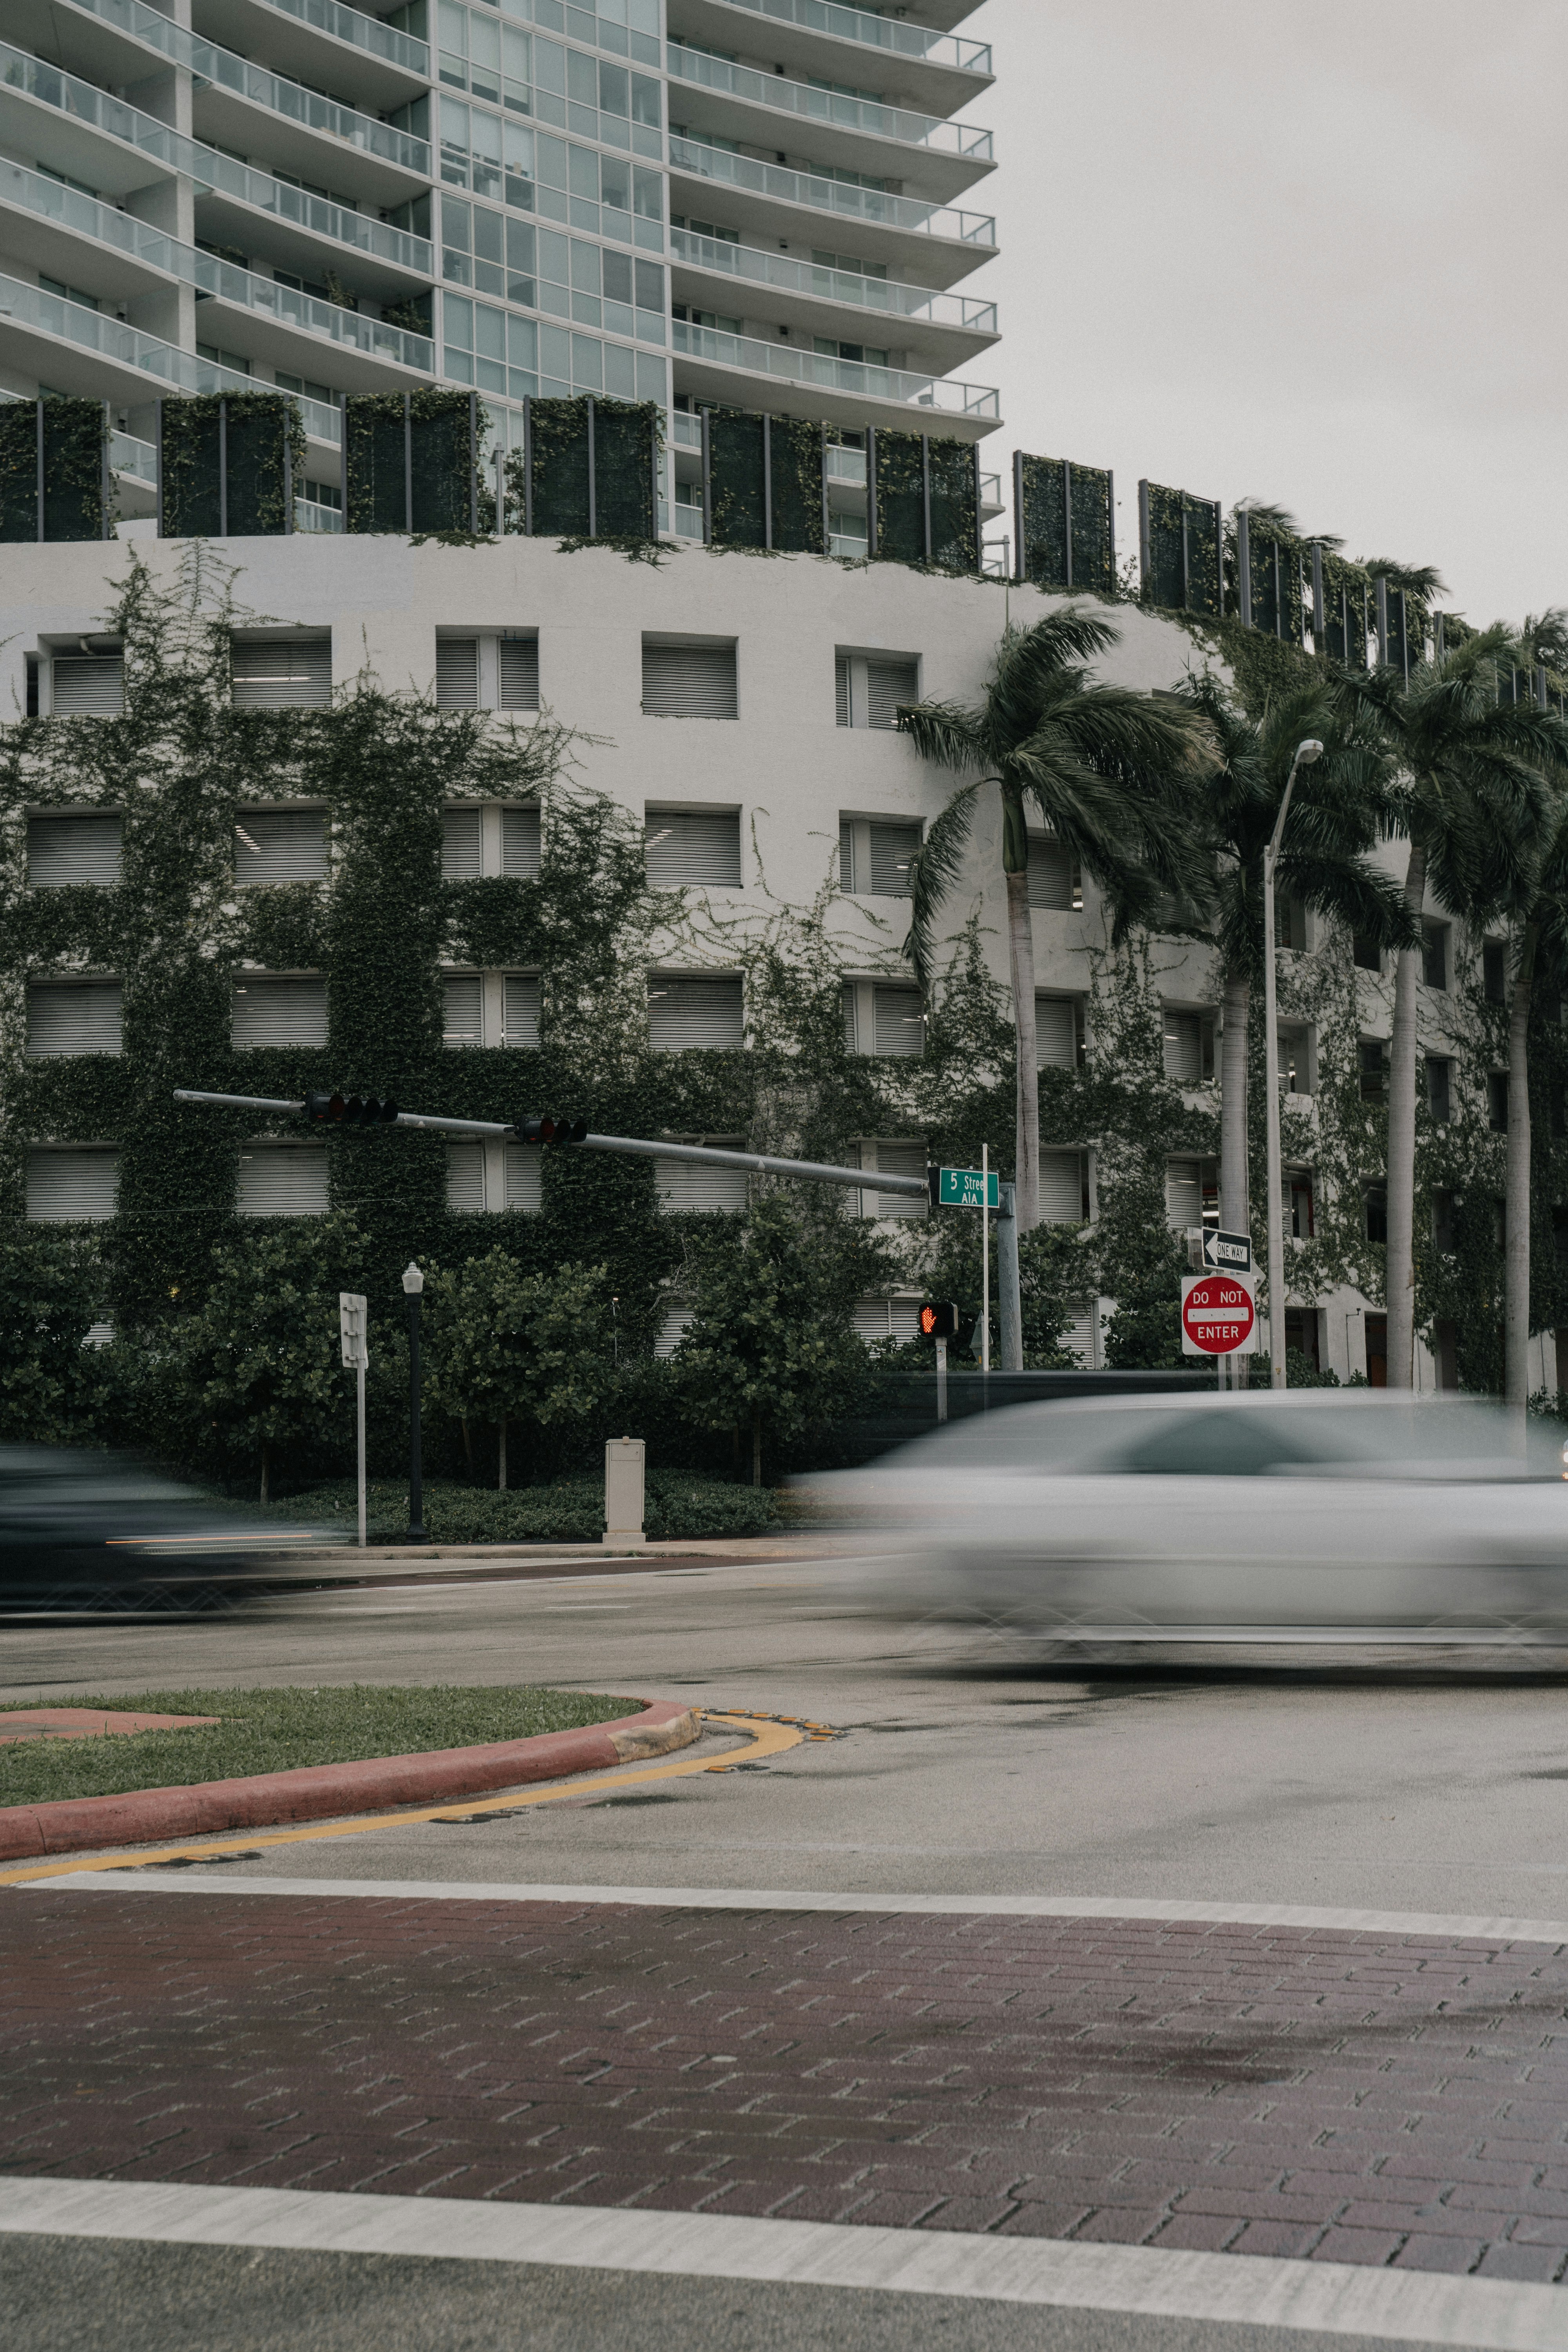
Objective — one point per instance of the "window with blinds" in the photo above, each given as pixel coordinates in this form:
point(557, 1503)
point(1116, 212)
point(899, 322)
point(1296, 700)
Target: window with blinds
point(62, 850)
point(87, 685)
point(524, 1170)
point(520, 843)
point(73, 1016)
point(461, 849)
point(842, 706)
point(851, 1026)
point(1063, 1189)
point(1056, 1033)
point(279, 846)
point(282, 1180)
point(893, 1160)
point(898, 1022)
point(674, 1325)
point(458, 673)
point(869, 687)
point(517, 666)
point(466, 1178)
point(272, 1009)
point(519, 1015)
point(282, 673)
point(697, 846)
point(1188, 1046)
point(66, 1184)
point(687, 1012)
point(1054, 882)
point(1192, 1194)
point(689, 680)
point(875, 855)
point(687, 1184)
point(887, 1318)
point(1081, 1337)
point(462, 1008)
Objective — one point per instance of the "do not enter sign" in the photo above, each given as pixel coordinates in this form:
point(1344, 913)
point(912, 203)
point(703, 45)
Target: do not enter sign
point(1218, 1318)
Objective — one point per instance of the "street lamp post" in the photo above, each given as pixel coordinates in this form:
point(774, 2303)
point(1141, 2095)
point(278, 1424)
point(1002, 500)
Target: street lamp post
point(414, 1284)
point(1305, 754)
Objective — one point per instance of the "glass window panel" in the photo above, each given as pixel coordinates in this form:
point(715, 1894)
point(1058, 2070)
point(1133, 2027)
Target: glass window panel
point(522, 342)
point(650, 286)
point(487, 232)
point(550, 66)
point(616, 183)
point(552, 154)
point(587, 363)
point(584, 166)
point(646, 107)
point(650, 194)
point(453, 32)
point(459, 316)
point(554, 252)
point(620, 370)
point(490, 330)
point(582, 78)
point(584, 268)
point(617, 276)
point(614, 87)
point(456, 228)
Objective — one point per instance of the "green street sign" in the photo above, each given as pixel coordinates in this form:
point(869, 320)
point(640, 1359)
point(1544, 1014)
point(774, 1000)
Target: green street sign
point(966, 1188)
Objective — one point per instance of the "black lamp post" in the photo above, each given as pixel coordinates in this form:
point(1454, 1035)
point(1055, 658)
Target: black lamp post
point(412, 1283)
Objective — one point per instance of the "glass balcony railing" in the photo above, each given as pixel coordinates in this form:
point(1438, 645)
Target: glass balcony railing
point(350, 329)
point(309, 515)
point(177, 371)
point(875, 32)
point(828, 195)
point(211, 171)
point(366, 33)
point(784, 361)
point(128, 455)
point(809, 104)
point(883, 294)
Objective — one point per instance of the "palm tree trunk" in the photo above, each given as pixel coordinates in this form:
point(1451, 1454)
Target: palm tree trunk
point(1516, 1211)
point(1403, 1059)
point(1233, 1122)
point(1021, 968)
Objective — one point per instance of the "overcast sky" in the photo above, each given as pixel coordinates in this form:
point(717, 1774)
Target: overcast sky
point(1303, 255)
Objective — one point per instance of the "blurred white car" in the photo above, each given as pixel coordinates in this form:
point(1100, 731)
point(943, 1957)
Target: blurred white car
point(1275, 1515)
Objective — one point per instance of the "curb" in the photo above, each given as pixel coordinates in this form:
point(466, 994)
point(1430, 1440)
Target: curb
point(314, 1792)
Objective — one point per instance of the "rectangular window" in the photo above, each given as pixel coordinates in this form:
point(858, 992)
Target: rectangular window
point(898, 1023)
point(65, 1185)
point(1494, 971)
point(1192, 1194)
point(875, 855)
point(1064, 1188)
point(460, 845)
point(1443, 1220)
point(1368, 953)
point(521, 1006)
point(689, 680)
point(462, 1008)
point(1435, 954)
point(279, 846)
point(282, 673)
point(62, 850)
point(1056, 1033)
point(686, 1011)
point(701, 847)
point(87, 685)
point(73, 1016)
point(869, 688)
point(273, 1009)
point(1290, 922)
point(523, 1172)
point(458, 673)
point(1438, 1090)
point(1375, 1209)
point(1374, 1076)
point(518, 673)
point(1188, 1046)
point(282, 1180)
point(1295, 1069)
point(887, 1318)
point(893, 1160)
point(1497, 1101)
point(687, 1184)
point(466, 1179)
point(1055, 882)
point(1298, 1203)
point(520, 843)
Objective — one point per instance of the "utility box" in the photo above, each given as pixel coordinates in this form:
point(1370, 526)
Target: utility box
point(625, 1458)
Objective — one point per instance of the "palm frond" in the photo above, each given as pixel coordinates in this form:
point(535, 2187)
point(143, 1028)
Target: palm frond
point(944, 733)
point(934, 870)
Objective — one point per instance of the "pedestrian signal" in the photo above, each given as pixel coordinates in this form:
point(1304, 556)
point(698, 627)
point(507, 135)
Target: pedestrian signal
point(546, 1130)
point(350, 1110)
point(939, 1321)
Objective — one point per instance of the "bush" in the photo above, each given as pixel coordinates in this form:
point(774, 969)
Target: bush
point(677, 1507)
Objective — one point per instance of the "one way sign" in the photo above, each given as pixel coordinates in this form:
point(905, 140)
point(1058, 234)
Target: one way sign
point(1231, 1252)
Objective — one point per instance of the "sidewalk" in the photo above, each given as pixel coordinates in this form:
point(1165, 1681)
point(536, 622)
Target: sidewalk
point(347, 1564)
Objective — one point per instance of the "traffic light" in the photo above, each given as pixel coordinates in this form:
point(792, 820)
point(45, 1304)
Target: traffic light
point(550, 1130)
point(350, 1110)
point(939, 1321)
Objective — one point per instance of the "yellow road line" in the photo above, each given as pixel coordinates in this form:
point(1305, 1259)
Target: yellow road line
point(771, 1736)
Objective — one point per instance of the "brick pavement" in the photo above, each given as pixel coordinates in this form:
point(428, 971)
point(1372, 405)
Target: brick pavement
point(1351, 2097)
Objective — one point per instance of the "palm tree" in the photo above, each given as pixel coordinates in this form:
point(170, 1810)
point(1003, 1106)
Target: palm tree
point(1333, 824)
point(1105, 768)
point(1540, 932)
point(1470, 800)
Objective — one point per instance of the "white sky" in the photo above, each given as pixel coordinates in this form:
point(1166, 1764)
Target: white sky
point(1300, 254)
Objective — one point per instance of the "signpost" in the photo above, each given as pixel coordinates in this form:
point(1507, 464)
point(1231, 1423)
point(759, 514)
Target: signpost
point(1227, 1252)
point(967, 1188)
point(1218, 1314)
point(353, 1311)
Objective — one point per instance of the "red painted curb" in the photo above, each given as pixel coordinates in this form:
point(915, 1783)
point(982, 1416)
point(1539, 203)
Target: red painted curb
point(315, 1791)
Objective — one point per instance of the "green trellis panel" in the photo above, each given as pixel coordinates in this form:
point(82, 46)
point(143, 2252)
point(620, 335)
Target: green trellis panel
point(954, 506)
point(800, 524)
point(1274, 583)
point(898, 489)
point(74, 433)
point(18, 471)
point(1345, 593)
point(737, 478)
point(259, 486)
point(1179, 548)
point(623, 453)
point(191, 497)
point(1393, 629)
point(441, 459)
point(376, 462)
point(1064, 524)
point(558, 466)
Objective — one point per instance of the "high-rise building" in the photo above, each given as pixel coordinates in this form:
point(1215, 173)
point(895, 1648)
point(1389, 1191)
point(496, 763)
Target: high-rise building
point(763, 204)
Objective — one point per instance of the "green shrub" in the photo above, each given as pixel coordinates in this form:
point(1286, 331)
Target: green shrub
point(679, 1506)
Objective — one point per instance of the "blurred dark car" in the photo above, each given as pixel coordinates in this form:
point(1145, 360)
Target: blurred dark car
point(97, 1532)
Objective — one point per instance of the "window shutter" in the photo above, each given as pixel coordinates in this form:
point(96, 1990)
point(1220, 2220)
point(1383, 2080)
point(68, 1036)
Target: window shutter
point(899, 1025)
point(690, 681)
point(887, 1318)
point(892, 847)
point(1183, 1194)
point(687, 1184)
point(269, 1011)
point(73, 1017)
point(847, 855)
point(519, 1019)
point(88, 686)
point(841, 688)
point(1080, 1336)
point(519, 667)
point(279, 846)
point(1056, 1033)
point(283, 674)
point(672, 1329)
point(66, 849)
point(895, 1160)
point(849, 1032)
point(524, 1173)
point(1061, 1188)
point(889, 683)
point(1184, 1048)
point(64, 1185)
point(462, 1008)
point(466, 1178)
point(282, 1180)
point(520, 847)
point(458, 673)
point(689, 1011)
point(699, 846)
point(460, 844)
point(1050, 875)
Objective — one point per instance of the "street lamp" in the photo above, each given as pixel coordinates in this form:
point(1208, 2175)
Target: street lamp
point(414, 1284)
point(1305, 754)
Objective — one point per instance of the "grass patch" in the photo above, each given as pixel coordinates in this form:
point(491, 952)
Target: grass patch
point(676, 1509)
point(274, 1730)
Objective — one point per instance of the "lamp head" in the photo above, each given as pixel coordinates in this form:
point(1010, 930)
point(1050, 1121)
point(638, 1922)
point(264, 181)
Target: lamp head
point(1308, 752)
point(413, 1280)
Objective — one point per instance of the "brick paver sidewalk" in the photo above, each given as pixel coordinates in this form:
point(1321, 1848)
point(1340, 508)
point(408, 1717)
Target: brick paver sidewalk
point(1357, 2097)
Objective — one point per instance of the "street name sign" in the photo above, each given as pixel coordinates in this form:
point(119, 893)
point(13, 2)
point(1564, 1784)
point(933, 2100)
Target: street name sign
point(1218, 1318)
point(351, 1311)
point(1229, 1253)
point(966, 1188)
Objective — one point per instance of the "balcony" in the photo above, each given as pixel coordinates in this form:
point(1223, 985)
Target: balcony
point(885, 33)
point(302, 37)
point(941, 330)
point(933, 237)
point(852, 380)
point(854, 132)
